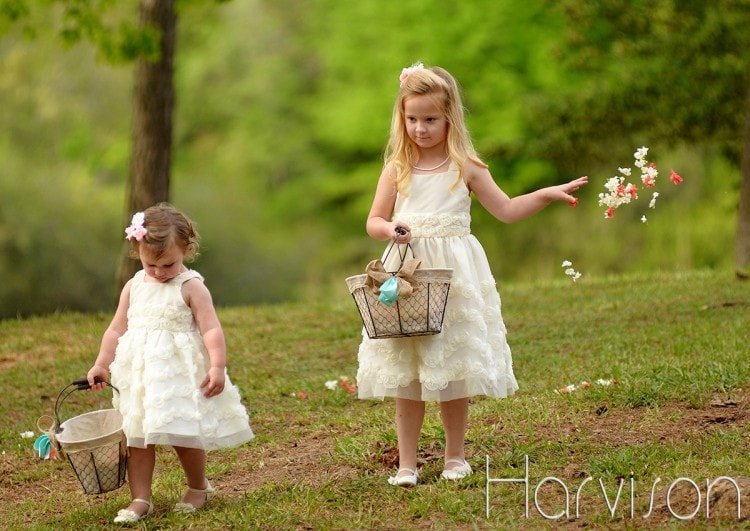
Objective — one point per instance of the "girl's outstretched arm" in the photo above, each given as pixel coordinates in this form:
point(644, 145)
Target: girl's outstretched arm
point(509, 210)
point(199, 299)
point(117, 327)
point(379, 224)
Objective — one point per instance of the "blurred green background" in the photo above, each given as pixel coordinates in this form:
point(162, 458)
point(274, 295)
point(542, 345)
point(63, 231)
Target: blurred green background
point(282, 113)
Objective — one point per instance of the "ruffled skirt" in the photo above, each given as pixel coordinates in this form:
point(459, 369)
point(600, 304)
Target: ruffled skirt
point(469, 357)
point(158, 374)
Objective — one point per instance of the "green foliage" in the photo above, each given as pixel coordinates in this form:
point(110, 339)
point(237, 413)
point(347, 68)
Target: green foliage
point(282, 113)
point(661, 72)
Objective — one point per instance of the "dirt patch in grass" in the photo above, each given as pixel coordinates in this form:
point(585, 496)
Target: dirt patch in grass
point(310, 461)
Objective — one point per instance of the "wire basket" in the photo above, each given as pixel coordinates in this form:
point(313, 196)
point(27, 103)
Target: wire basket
point(94, 444)
point(421, 314)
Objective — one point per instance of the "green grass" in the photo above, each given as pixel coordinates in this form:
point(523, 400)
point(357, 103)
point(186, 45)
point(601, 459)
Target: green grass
point(675, 343)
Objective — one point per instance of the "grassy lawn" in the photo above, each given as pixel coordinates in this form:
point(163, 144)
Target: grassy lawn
point(665, 356)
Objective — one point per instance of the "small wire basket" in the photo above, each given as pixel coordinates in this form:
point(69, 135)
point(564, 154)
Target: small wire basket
point(420, 314)
point(93, 443)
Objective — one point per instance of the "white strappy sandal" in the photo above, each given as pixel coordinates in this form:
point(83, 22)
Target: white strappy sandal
point(407, 480)
point(457, 472)
point(184, 507)
point(126, 516)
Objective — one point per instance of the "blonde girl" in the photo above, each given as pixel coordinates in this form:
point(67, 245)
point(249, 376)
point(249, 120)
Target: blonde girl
point(423, 197)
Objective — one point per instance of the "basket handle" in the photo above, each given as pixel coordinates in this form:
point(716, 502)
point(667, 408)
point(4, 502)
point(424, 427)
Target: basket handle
point(80, 384)
point(401, 255)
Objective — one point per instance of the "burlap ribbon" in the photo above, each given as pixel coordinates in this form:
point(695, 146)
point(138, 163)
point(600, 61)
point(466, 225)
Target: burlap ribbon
point(376, 275)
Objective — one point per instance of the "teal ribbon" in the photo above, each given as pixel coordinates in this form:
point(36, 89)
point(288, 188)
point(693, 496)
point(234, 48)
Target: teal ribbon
point(43, 446)
point(389, 291)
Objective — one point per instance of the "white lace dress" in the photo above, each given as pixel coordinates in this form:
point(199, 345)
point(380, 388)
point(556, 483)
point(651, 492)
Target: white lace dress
point(159, 365)
point(471, 355)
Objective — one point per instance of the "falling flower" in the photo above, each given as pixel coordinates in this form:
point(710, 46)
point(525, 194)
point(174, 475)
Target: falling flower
point(27, 434)
point(619, 192)
point(572, 273)
point(299, 394)
point(332, 384)
point(643, 219)
point(652, 203)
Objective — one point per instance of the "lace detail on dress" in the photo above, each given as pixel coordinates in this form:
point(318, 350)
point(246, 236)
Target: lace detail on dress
point(437, 225)
point(160, 317)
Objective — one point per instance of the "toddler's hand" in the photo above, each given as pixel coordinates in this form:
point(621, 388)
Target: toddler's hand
point(213, 383)
point(97, 372)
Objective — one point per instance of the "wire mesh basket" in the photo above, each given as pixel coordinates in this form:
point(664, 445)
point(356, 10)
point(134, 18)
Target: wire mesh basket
point(93, 443)
point(420, 314)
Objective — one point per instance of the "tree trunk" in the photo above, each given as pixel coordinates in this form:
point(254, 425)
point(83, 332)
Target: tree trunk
point(742, 242)
point(153, 102)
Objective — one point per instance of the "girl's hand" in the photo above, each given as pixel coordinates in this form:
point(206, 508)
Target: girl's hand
point(97, 372)
point(213, 383)
point(401, 232)
point(563, 192)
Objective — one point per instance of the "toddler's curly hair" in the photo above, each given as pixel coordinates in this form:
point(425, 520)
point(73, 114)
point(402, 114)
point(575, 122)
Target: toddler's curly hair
point(167, 226)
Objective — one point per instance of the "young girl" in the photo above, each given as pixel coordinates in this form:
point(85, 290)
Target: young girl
point(423, 198)
point(166, 353)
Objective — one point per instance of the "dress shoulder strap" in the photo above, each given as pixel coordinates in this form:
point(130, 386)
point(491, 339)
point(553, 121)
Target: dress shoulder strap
point(187, 275)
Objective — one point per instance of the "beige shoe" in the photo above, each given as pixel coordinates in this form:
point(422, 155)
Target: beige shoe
point(457, 472)
point(183, 507)
point(407, 480)
point(126, 516)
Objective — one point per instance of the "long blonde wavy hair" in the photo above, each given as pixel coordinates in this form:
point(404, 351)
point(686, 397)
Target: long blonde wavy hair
point(441, 86)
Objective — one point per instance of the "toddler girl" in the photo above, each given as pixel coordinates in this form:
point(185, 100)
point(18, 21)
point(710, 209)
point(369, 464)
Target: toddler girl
point(423, 197)
point(166, 354)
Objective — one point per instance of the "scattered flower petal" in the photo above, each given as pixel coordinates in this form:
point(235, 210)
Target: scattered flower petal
point(675, 178)
point(27, 434)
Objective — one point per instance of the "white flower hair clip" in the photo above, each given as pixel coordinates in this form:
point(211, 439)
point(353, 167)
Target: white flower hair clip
point(136, 229)
point(406, 72)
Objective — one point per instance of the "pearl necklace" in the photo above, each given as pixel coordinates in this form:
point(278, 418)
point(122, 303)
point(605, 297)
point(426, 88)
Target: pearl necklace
point(434, 167)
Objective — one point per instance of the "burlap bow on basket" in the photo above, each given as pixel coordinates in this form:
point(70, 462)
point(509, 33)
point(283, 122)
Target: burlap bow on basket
point(389, 287)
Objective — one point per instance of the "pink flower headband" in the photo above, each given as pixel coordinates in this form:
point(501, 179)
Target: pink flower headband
point(406, 72)
point(136, 229)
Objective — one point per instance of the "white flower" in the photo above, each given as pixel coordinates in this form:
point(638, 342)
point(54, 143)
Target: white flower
point(566, 263)
point(602, 381)
point(332, 384)
point(27, 434)
point(643, 219)
point(624, 171)
point(652, 203)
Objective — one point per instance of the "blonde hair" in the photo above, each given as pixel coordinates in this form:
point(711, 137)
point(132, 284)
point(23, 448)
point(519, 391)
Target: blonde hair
point(401, 151)
point(167, 226)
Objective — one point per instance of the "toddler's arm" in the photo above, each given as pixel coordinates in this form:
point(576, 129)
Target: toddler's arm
point(116, 328)
point(198, 297)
